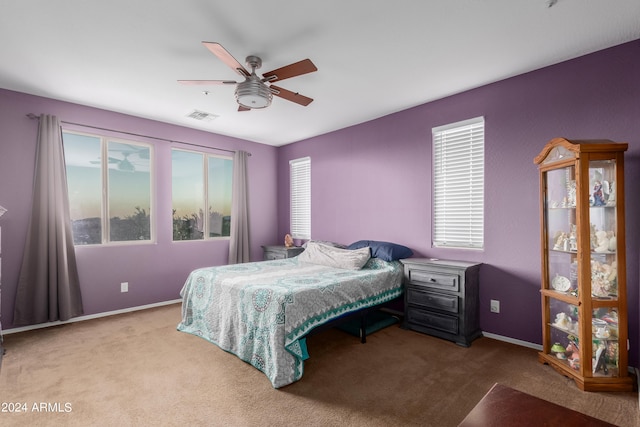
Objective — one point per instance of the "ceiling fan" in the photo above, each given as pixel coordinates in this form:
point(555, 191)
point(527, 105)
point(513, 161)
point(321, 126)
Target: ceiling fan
point(255, 92)
point(124, 164)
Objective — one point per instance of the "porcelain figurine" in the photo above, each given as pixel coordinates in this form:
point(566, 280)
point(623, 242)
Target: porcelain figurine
point(603, 278)
point(563, 321)
point(611, 200)
point(559, 351)
point(598, 195)
point(602, 242)
point(288, 241)
point(598, 361)
point(613, 242)
point(561, 238)
point(573, 355)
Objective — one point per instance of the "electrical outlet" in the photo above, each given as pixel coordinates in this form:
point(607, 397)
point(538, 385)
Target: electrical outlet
point(495, 306)
point(124, 287)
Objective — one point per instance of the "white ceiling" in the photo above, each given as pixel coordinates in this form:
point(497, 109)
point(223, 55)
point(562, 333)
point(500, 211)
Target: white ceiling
point(374, 57)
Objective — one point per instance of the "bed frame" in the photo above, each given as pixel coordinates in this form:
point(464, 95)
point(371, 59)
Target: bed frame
point(361, 315)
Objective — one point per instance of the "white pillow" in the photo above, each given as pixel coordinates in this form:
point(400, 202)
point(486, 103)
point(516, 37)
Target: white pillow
point(317, 253)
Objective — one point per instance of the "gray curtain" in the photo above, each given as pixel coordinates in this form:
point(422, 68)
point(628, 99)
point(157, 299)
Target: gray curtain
point(48, 287)
point(239, 244)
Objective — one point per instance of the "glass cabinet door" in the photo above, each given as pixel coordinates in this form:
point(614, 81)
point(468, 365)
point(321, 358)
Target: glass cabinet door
point(562, 265)
point(563, 243)
point(603, 263)
point(562, 231)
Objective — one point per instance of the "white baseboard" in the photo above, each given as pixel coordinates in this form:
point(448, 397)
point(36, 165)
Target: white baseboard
point(631, 369)
point(512, 341)
point(89, 317)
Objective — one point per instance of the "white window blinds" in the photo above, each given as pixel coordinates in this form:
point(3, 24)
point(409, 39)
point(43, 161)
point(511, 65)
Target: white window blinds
point(458, 184)
point(300, 177)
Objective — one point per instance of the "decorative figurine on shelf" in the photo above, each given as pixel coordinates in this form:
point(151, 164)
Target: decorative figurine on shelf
point(561, 238)
point(598, 361)
point(288, 241)
point(573, 241)
point(612, 352)
point(602, 242)
point(611, 200)
point(603, 279)
point(606, 189)
point(559, 351)
point(598, 195)
point(573, 355)
point(613, 242)
point(570, 201)
point(603, 332)
point(563, 321)
point(592, 237)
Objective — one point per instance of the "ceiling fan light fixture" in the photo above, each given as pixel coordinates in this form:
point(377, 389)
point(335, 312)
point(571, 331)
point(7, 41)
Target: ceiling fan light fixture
point(252, 93)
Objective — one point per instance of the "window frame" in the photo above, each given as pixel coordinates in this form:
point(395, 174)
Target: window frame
point(205, 188)
point(105, 219)
point(449, 188)
point(300, 198)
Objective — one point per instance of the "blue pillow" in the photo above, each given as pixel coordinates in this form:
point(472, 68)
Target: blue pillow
point(384, 250)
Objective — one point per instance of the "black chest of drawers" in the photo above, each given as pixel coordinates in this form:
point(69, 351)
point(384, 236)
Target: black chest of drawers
point(441, 298)
point(280, 252)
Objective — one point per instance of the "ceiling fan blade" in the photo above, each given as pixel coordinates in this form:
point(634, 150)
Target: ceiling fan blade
point(207, 82)
point(290, 96)
point(243, 108)
point(226, 57)
point(292, 70)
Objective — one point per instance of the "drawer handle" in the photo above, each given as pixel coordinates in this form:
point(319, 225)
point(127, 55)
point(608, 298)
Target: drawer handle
point(432, 280)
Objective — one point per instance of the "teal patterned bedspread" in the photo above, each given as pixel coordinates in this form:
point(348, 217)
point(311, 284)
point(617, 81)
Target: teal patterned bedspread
point(261, 311)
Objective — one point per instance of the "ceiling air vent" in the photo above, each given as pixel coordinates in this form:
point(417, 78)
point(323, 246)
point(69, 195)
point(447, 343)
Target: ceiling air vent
point(201, 115)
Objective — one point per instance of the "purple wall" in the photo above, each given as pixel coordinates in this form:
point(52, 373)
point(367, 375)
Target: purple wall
point(155, 272)
point(370, 181)
point(373, 181)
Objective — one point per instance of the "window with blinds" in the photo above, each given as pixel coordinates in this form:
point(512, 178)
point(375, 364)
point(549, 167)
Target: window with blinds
point(458, 184)
point(300, 178)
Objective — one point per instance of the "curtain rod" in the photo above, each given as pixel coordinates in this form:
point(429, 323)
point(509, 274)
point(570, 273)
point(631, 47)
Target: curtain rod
point(35, 116)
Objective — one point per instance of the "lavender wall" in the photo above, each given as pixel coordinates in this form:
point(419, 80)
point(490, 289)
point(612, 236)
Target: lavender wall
point(373, 181)
point(370, 181)
point(155, 272)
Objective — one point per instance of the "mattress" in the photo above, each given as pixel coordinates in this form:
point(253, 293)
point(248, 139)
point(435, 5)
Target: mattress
point(262, 311)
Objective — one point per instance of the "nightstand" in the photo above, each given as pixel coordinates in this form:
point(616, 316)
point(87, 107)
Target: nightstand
point(441, 299)
point(280, 252)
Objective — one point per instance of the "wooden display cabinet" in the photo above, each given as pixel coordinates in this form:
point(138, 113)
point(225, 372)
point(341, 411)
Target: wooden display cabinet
point(584, 295)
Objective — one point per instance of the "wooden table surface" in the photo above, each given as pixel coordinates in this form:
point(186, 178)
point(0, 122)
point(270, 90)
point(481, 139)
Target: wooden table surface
point(503, 406)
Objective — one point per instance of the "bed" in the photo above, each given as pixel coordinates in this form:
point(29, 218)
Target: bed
point(263, 311)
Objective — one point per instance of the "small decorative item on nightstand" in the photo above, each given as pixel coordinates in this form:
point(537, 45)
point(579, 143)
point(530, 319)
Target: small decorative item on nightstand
point(280, 252)
point(288, 241)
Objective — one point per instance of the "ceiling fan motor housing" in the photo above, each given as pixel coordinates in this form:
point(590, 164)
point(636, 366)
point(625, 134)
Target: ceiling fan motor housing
point(253, 93)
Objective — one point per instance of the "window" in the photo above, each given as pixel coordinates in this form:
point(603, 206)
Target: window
point(108, 178)
point(458, 184)
point(300, 177)
point(200, 180)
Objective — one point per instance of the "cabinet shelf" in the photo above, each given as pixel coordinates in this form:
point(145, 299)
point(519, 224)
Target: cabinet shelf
point(583, 255)
point(562, 296)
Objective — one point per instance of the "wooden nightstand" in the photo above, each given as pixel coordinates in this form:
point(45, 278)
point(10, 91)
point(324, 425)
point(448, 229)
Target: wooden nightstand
point(280, 252)
point(441, 299)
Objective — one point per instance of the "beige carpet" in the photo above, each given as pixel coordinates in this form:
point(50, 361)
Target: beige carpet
point(135, 369)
